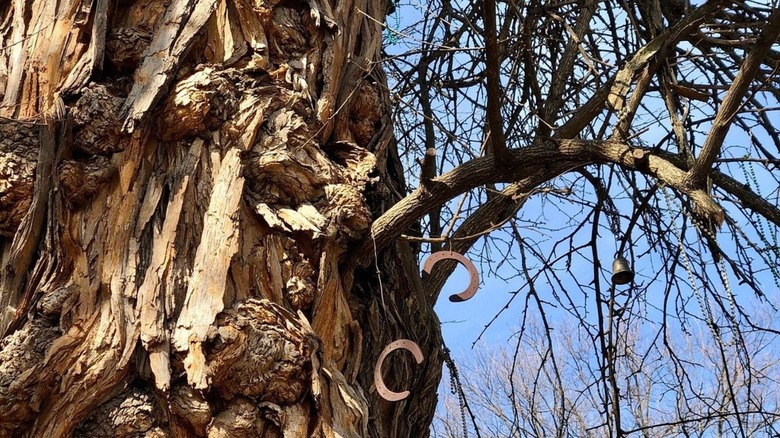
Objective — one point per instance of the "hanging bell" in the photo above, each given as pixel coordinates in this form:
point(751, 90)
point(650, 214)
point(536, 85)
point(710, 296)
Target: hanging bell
point(621, 271)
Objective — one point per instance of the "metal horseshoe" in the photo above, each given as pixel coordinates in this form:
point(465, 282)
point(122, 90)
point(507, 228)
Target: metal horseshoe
point(473, 283)
point(406, 344)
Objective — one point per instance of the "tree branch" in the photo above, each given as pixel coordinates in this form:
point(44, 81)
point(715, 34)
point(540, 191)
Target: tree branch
point(733, 102)
point(498, 209)
point(617, 86)
point(748, 198)
point(561, 76)
point(495, 121)
point(529, 167)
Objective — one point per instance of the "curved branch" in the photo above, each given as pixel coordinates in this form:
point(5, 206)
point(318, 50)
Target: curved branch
point(528, 168)
point(497, 209)
point(742, 192)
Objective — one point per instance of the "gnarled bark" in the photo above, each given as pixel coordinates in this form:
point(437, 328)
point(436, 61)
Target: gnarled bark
point(181, 185)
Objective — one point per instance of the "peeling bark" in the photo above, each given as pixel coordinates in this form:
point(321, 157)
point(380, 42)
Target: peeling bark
point(181, 185)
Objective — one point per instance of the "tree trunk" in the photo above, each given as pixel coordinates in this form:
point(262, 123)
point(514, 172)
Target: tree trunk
point(183, 184)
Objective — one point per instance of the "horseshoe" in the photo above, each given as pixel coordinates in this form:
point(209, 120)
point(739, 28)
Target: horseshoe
point(473, 283)
point(379, 383)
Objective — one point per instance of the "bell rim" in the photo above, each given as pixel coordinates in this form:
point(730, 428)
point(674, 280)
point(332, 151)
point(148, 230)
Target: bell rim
point(623, 277)
point(621, 271)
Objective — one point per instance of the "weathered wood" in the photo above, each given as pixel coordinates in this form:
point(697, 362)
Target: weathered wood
point(183, 20)
point(18, 261)
point(204, 298)
point(17, 57)
point(92, 61)
point(188, 277)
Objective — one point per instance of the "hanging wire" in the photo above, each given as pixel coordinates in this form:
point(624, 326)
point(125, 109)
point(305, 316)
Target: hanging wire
point(456, 388)
point(704, 303)
point(393, 29)
point(720, 264)
point(724, 278)
point(379, 276)
point(613, 216)
point(750, 177)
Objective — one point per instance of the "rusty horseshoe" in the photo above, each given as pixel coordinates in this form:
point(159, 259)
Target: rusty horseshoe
point(406, 344)
point(471, 289)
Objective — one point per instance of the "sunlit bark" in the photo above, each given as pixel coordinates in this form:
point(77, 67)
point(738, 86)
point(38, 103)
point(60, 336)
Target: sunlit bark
point(181, 184)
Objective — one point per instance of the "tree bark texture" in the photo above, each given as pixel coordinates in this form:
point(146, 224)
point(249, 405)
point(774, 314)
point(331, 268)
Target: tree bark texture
point(183, 184)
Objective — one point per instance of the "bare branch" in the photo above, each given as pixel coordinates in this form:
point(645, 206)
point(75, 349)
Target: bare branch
point(733, 102)
point(495, 121)
point(541, 162)
point(560, 78)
